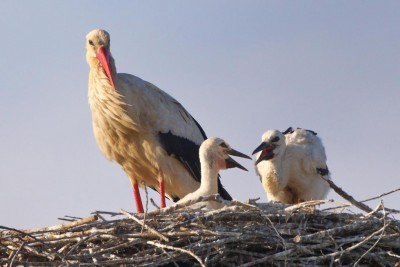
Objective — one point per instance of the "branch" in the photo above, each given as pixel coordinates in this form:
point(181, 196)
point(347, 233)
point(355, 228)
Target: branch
point(177, 249)
point(178, 206)
point(307, 204)
point(63, 226)
point(150, 229)
point(382, 195)
point(380, 236)
point(346, 196)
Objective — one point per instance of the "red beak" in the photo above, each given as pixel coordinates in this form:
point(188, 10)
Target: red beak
point(103, 56)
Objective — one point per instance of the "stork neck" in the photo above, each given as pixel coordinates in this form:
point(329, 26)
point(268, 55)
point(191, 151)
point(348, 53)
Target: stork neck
point(209, 178)
point(278, 163)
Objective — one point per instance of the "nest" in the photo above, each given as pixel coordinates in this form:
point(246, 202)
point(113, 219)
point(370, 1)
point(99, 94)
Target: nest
point(241, 234)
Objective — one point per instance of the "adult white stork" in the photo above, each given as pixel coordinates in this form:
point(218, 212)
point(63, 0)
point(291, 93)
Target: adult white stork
point(214, 156)
point(290, 164)
point(146, 131)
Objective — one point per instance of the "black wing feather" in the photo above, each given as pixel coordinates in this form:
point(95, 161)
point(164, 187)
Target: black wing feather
point(187, 152)
point(183, 150)
point(288, 130)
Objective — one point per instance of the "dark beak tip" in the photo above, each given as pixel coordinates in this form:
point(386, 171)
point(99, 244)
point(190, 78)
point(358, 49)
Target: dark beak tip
point(236, 153)
point(231, 163)
point(261, 147)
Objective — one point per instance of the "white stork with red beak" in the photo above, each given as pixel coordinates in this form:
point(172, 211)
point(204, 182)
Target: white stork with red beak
point(146, 131)
point(290, 164)
point(214, 156)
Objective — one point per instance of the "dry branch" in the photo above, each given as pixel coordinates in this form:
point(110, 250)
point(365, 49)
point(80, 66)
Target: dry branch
point(64, 226)
point(151, 230)
point(381, 195)
point(346, 196)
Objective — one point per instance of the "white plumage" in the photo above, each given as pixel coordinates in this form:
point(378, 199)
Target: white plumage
point(214, 156)
point(150, 134)
point(290, 164)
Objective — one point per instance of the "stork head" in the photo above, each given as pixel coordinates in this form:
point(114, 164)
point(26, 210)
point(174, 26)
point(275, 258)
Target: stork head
point(98, 52)
point(272, 146)
point(215, 151)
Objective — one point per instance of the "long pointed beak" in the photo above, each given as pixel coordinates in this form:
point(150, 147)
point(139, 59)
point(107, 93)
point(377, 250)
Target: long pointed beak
point(231, 163)
point(266, 154)
point(236, 153)
point(261, 147)
point(103, 57)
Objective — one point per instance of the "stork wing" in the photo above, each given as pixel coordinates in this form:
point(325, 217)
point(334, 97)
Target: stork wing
point(306, 146)
point(185, 144)
point(177, 131)
point(184, 150)
point(180, 134)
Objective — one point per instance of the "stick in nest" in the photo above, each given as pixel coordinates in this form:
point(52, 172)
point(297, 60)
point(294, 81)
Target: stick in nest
point(380, 236)
point(307, 204)
point(381, 195)
point(175, 207)
point(177, 249)
point(346, 196)
point(64, 226)
point(152, 230)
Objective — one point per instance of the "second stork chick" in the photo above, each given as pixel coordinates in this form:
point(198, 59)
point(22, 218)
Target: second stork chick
point(214, 156)
point(290, 164)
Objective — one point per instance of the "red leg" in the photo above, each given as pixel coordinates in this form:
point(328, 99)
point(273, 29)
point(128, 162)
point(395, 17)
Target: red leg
point(162, 192)
point(138, 200)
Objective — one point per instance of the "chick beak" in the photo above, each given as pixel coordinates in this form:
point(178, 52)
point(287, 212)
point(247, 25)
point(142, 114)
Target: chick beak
point(266, 154)
point(231, 163)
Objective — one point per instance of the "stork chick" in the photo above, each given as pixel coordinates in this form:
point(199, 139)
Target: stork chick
point(146, 131)
point(214, 156)
point(289, 165)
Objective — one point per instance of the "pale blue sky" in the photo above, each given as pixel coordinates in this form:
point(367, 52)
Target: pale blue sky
point(239, 67)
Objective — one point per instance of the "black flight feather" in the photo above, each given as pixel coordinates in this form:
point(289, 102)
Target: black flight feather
point(187, 152)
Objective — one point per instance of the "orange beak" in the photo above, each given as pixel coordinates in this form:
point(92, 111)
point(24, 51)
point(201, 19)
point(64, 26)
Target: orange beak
point(103, 56)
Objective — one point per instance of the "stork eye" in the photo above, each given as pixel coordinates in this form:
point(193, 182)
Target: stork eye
point(224, 145)
point(275, 139)
point(91, 42)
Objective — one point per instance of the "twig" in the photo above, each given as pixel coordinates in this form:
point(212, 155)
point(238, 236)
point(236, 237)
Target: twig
point(252, 205)
point(307, 204)
point(112, 214)
point(380, 236)
point(346, 196)
point(316, 237)
point(269, 257)
point(379, 207)
point(175, 207)
point(341, 206)
point(147, 206)
point(390, 253)
point(16, 253)
point(177, 249)
point(169, 256)
point(75, 246)
point(150, 229)
point(63, 226)
point(381, 195)
point(347, 249)
point(154, 203)
point(18, 231)
point(69, 218)
point(252, 201)
point(280, 237)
